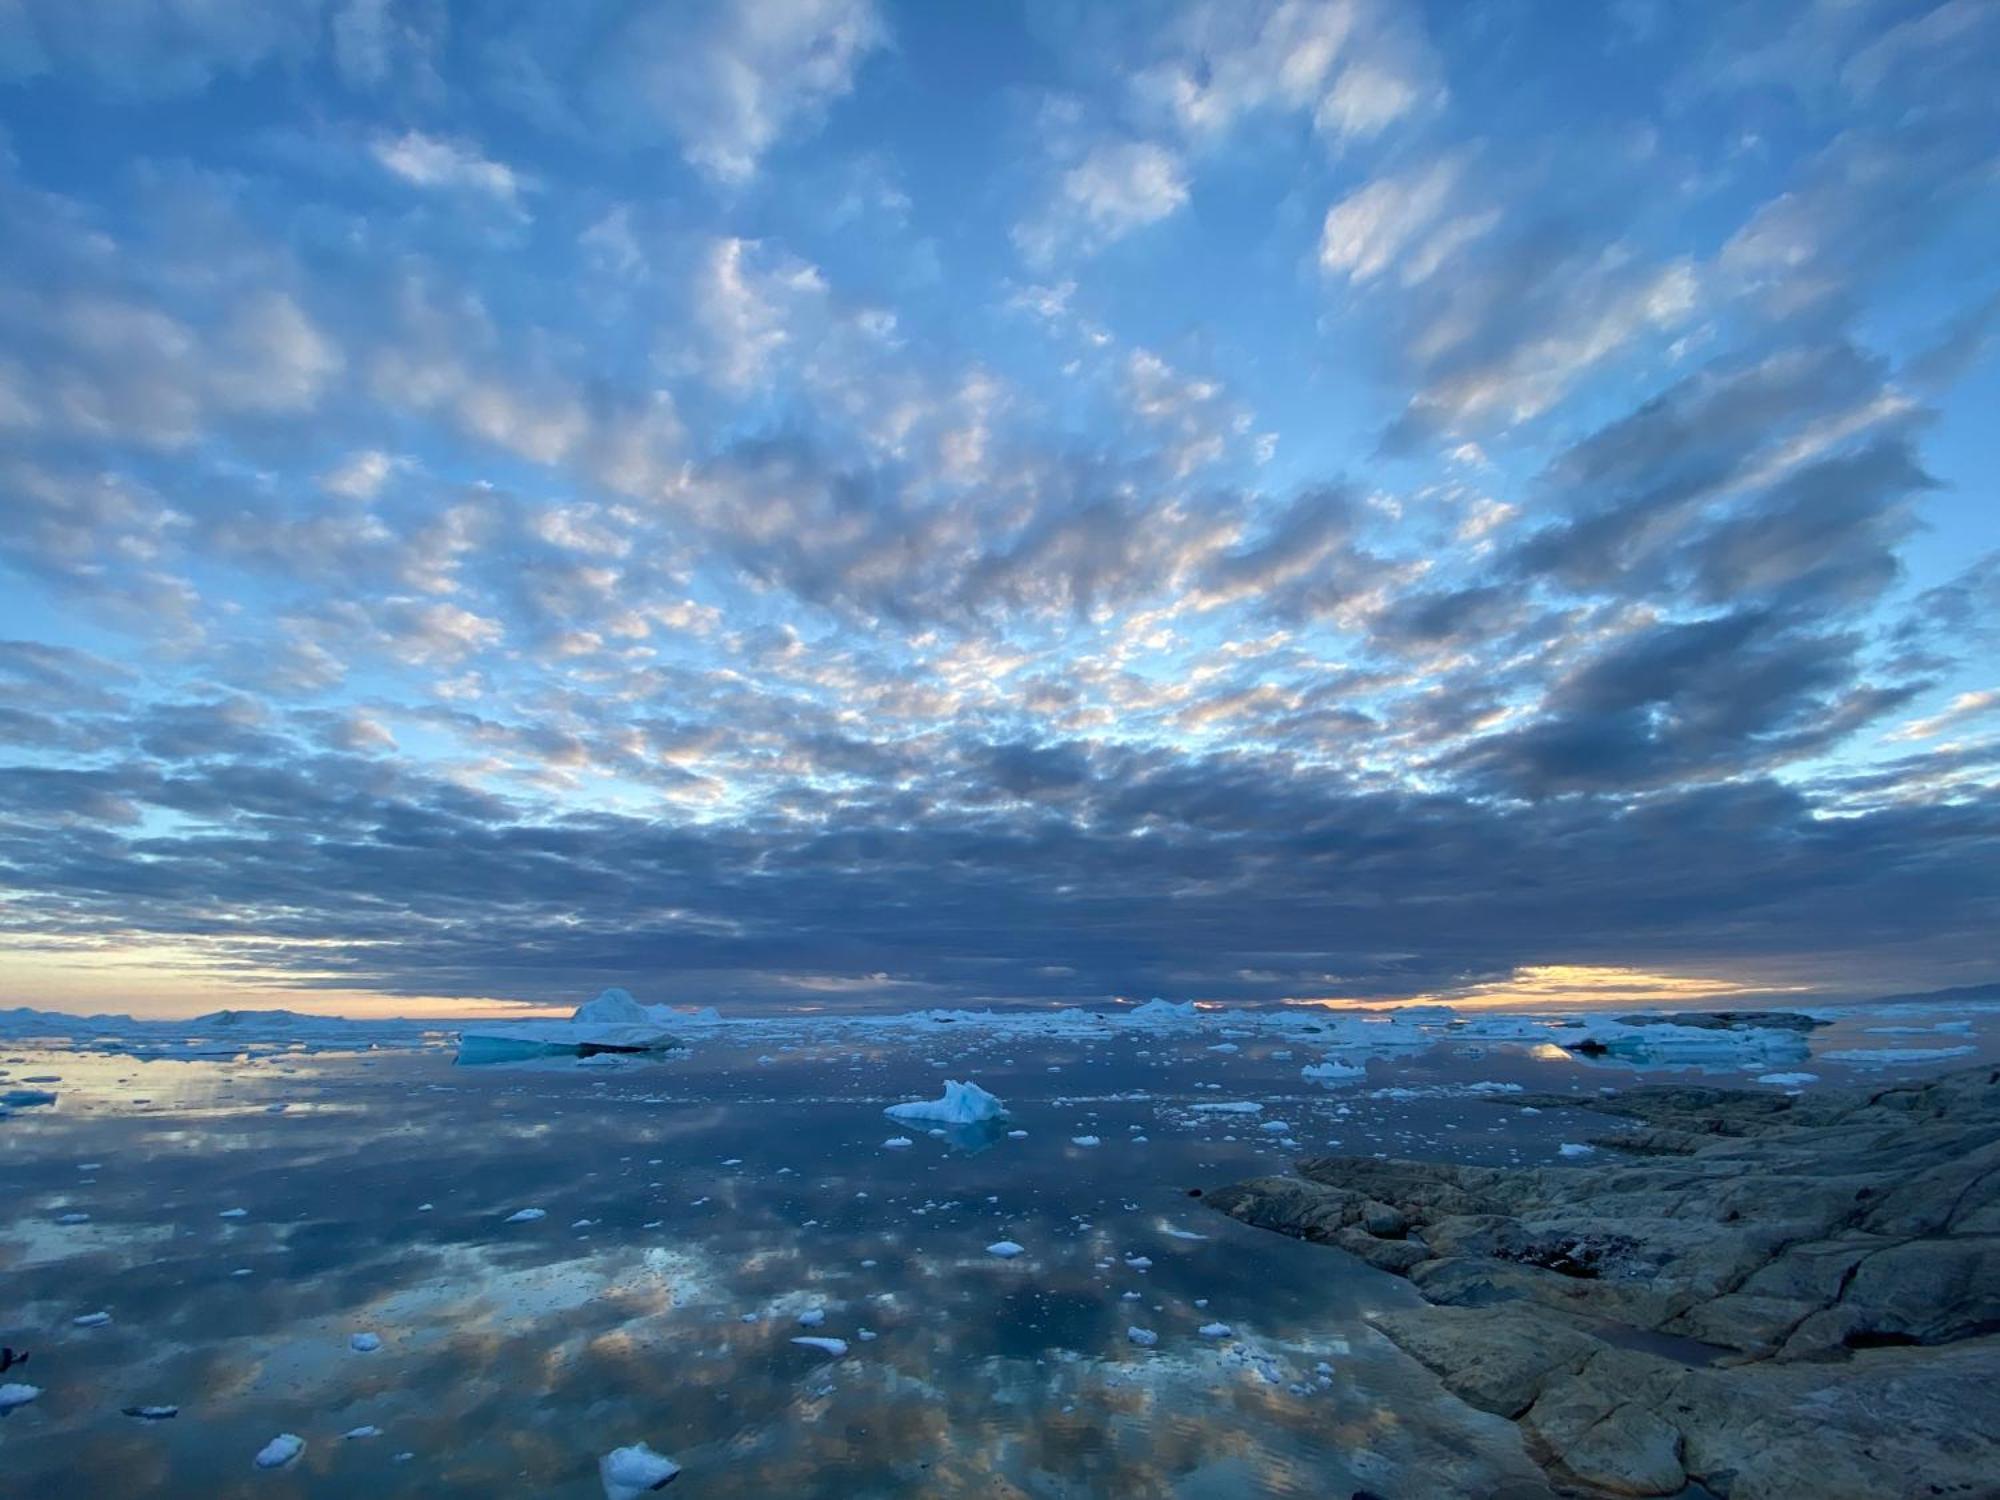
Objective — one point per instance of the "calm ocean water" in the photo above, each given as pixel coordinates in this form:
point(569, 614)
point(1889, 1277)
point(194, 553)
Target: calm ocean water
point(248, 1216)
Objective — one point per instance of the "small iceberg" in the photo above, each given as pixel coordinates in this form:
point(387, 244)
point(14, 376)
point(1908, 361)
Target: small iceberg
point(835, 1347)
point(628, 1473)
point(1145, 1338)
point(15, 1394)
point(280, 1451)
point(961, 1104)
point(1005, 1249)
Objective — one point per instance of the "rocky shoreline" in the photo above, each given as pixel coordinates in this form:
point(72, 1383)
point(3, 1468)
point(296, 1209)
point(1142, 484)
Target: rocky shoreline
point(1764, 1297)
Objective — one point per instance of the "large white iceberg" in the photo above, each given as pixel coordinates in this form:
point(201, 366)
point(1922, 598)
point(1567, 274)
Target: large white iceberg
point(1158, 1012)
point(1671, 1042)
point(1372, 1033)
point(962, 1104)
point(613, 1022)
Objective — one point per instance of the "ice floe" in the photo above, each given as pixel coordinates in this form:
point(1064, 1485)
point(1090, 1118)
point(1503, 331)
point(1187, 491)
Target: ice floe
point(960, 1104)
point(365, 1343)
point(280, 1451)
point(1896, 1054)
point(1005, 1249)
point(14, 1394)
point(835, 1347)
point(630, 1472)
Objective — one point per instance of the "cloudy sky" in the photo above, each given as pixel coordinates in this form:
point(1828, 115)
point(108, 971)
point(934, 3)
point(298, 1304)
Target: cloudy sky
point(831, 502)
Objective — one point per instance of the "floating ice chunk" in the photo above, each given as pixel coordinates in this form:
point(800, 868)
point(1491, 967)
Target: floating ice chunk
point(525, 1216)
point(812, 1317)
point(961, 1104)
point(835, 1347)
point(1216, 1330)
point(1574, 1148)
point(1184, 1234)
point(1145, 1338)
point(1005, 1249)
point(1230, 1107)
point(1276, 1127)
point(866, 1335)
point(1225, 1047)
point(91, 1320)
point(280, 1451)
point(1158, 1012)
point(1017, 1135)
point(1376, 1034)
point(1668, 1042)
point(234, 1213)
point(628, 1473)
point(1895, 1054)
point(364, 1343)
point(1333, 1071)
point(898, 1142)
point(73, 1218)
point(15, 1394)
point(152, 1413)
point(1139, 1262)
point(368, 1431)
point(1084, 1140)
point(1789, 1080)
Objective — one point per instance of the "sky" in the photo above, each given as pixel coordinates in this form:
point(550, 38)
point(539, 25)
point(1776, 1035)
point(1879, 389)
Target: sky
point(827, 503)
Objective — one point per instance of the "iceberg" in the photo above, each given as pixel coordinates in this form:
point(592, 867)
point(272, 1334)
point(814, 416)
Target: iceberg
point(628, 1473)
point(1374, 1033)
point(1333, 1070)
point(1673, 1042)
point(612, 1022)
point(280, 1451)
point(962, 1104)
point(1158, 1012)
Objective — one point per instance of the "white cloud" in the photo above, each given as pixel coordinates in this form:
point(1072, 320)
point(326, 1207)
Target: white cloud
point(1402, 221)
point(360, 477)
point(729, 79)
point(1965, 706)
point(1353, 65)
point(744, 298)
point(1118, 187)
point(429, 161)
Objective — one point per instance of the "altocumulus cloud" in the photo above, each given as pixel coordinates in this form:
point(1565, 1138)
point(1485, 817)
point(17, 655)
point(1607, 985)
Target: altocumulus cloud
point(836, 499)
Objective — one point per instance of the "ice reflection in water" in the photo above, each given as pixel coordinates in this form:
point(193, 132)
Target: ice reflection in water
point(693, 1208)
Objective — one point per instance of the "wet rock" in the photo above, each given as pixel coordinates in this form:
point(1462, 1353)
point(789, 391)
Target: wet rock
point(1764, 1309)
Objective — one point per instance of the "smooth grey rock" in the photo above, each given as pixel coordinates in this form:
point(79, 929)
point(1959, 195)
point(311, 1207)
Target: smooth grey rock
point(1788, 1241)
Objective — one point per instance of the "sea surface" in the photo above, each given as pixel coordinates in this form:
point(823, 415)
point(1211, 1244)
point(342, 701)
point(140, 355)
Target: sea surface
point(240, 1218)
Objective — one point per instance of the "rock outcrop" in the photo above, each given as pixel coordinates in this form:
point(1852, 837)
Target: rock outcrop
point(1784, 1297)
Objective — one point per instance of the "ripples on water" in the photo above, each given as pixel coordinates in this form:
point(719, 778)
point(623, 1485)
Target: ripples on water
point(694, 1208)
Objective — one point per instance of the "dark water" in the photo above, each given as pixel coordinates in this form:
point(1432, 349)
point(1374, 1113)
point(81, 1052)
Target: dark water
point(694, 1208)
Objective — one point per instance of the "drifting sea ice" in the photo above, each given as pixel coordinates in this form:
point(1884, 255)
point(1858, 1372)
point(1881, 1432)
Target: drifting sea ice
point(1332, 1071)
point(365, 1343)
point(280, 1451)
point(525, 1216)
point(835, 1347)
point(961, 1104)
point(1005, 1249)
point(15, 1394)
point(628, 1473)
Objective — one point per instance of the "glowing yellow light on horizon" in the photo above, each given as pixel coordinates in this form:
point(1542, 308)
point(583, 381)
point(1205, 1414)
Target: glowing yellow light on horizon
point(1543, 985)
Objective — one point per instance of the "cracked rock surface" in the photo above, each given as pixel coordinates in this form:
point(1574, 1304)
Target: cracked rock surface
point(1772, 1297)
